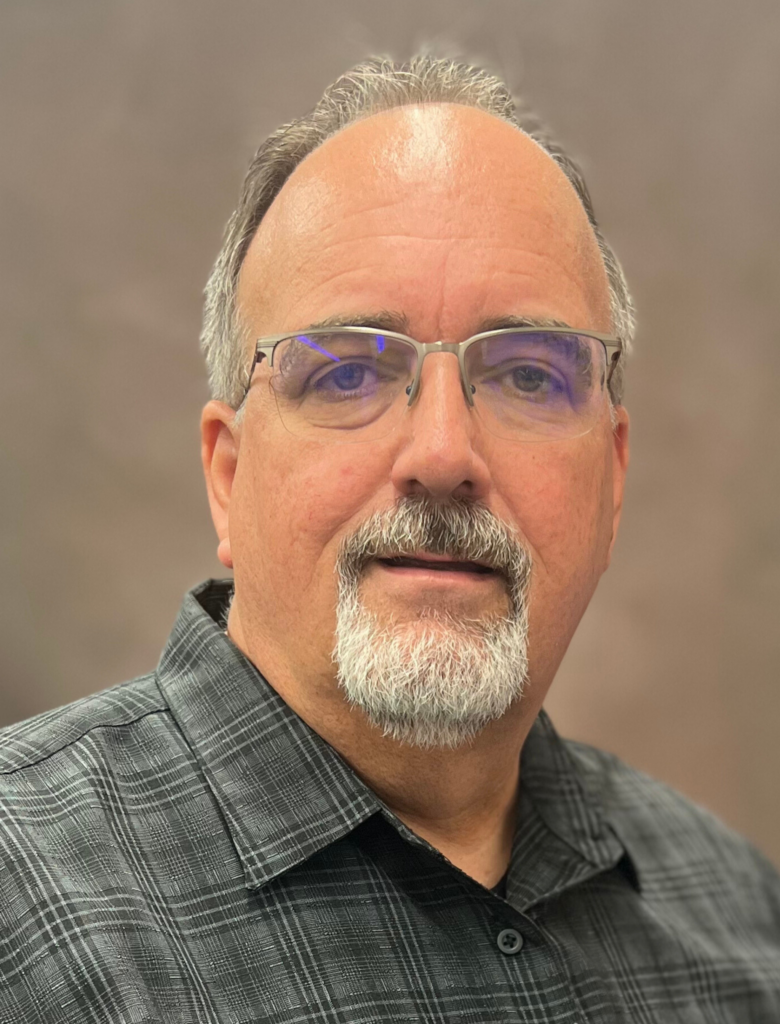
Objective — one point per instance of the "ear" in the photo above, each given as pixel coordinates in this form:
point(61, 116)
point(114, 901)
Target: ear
point(220, 436)
point(619, 467)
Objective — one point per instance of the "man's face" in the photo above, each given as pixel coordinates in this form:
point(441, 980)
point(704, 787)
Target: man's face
point(449, 220)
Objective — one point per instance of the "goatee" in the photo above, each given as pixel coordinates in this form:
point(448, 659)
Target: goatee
point(439, 680)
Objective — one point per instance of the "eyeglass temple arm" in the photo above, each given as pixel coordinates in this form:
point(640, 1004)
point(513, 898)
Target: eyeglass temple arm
point(259, 356)
point(614, 359)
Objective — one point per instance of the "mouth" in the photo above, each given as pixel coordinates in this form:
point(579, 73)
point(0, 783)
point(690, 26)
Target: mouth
point(437, 563)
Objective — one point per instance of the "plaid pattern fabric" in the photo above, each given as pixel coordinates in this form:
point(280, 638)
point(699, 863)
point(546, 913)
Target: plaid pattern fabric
point(183, 848)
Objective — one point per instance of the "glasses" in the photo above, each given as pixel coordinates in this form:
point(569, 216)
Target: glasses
point(351, 384)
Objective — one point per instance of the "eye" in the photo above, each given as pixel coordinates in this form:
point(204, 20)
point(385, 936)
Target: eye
point(536, 382)
point(531, 379)
point(527, 382)
point(347, 377)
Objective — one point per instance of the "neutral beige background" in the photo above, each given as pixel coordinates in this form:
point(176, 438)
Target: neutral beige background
point(126, 126)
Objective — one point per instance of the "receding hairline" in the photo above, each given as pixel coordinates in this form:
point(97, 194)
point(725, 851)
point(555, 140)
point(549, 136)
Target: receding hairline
point(408, 111)
point(589, 255)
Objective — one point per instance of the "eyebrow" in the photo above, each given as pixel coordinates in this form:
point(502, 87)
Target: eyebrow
point(382, 320)
point(398, 323)
point(501, 323)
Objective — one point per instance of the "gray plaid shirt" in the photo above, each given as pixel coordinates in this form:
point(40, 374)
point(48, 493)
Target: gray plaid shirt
point(185, 848)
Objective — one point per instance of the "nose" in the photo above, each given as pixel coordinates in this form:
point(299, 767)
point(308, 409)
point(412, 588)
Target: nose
point(439, 455)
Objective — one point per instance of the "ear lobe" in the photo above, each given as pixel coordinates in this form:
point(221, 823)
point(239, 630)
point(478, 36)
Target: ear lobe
point(224, 553)
point(220, 437)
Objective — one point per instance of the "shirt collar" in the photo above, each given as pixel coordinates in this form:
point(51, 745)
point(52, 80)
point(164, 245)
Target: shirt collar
point(561, 793)
point(285, 793)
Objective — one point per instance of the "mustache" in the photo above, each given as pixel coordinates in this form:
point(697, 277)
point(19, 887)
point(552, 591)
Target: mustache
point(461, 528)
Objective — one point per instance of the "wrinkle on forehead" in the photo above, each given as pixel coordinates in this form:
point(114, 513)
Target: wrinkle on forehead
point(443, 156)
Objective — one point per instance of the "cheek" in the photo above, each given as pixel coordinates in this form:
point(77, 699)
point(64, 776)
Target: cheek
point(561, 501)
point(299, 497)
point(563, 506)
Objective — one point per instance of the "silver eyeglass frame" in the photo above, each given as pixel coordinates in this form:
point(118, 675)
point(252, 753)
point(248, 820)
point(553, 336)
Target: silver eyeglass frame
point(265, 348)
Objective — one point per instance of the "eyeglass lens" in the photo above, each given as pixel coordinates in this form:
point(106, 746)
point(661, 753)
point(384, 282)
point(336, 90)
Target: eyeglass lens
point(342, 387)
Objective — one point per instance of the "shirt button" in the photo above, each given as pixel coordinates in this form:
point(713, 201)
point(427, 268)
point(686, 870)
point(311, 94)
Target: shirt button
point(510, 941)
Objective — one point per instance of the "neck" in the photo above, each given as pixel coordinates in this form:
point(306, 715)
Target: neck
point(458, 812)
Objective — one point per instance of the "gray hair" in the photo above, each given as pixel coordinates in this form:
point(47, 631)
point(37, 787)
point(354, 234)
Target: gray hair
point(375, 85)
point(441, 684)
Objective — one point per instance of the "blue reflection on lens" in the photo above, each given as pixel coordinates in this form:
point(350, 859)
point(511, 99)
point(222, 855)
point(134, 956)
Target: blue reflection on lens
point(313, 344)
point(380, 343)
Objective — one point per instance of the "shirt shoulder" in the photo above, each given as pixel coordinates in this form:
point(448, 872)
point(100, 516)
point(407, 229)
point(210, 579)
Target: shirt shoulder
point(27, 744)
point(683, 853)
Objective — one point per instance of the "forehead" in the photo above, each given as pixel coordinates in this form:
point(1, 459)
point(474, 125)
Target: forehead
point(467, 198)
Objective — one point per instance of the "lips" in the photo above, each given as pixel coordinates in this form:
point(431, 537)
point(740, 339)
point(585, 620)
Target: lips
point(437, 564)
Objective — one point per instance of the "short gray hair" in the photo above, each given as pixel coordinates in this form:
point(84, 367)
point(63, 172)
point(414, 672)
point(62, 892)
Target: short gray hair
point(377, 84)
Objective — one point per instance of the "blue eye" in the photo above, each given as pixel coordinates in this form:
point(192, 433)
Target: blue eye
point(347, 377)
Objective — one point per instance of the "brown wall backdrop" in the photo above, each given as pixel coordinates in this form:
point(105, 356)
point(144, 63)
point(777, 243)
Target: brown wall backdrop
point(125, 128)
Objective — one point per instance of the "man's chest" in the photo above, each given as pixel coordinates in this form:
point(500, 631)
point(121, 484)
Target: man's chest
point(343, 938)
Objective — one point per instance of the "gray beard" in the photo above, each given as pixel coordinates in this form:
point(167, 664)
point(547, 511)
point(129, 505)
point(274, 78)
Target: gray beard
point(439, 680)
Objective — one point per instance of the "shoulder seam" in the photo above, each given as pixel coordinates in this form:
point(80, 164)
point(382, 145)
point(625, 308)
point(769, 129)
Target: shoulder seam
point(77, 739)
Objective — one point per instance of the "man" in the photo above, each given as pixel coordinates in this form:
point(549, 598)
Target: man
point(338, 797)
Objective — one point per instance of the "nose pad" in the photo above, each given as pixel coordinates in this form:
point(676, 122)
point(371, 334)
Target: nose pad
point(467, 389)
